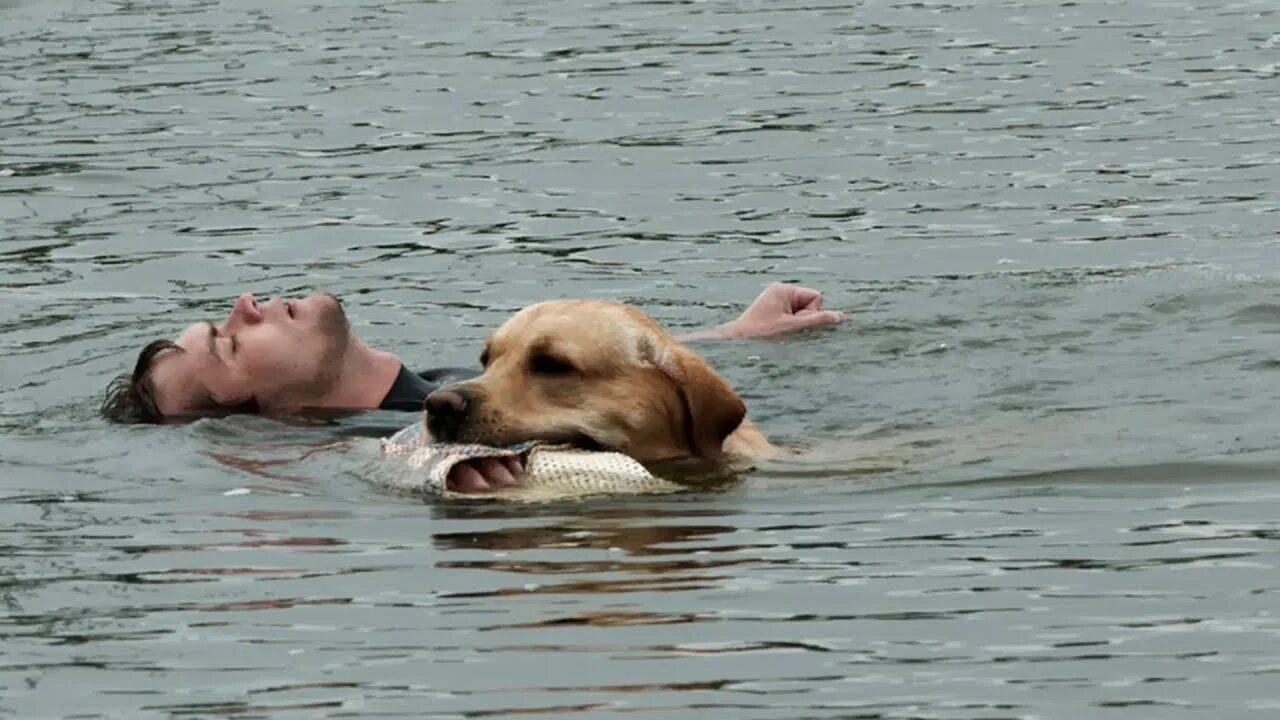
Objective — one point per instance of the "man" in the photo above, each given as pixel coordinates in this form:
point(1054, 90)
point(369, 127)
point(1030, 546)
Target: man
point(290, 356)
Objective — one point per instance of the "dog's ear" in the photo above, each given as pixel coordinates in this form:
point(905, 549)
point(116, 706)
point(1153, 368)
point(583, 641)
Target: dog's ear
point(712, 409)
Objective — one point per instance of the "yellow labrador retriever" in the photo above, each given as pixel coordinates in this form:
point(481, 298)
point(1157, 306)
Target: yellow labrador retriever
point(598, 375)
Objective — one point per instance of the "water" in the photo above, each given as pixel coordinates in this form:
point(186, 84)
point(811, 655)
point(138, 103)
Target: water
point(1053, 225)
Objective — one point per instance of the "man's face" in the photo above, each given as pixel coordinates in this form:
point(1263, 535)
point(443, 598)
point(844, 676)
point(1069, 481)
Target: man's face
point(285, 354)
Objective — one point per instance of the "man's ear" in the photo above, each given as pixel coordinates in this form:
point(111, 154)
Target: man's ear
point(712, 409)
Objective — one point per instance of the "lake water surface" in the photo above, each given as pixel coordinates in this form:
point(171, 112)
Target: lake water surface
point(1053, 226)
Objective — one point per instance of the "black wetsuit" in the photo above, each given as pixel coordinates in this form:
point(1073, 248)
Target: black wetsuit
point(410, 388)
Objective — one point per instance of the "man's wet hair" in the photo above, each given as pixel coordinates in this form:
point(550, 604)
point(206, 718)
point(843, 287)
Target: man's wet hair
point(131, 398)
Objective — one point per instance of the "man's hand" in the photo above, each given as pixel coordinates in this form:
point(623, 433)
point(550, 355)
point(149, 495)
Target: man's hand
point(781, 308)
point(485, 474)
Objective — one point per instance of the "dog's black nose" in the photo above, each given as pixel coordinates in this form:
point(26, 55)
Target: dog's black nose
point(446, 411)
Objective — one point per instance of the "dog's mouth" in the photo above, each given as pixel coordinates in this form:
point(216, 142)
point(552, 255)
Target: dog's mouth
point(575, 439)
point(583, 441)
point(572, 437)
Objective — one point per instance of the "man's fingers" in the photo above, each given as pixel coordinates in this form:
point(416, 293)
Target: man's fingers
point(803, 298)
point(485, 474)
point(514, 464)
point(814, 318)
point(495, 472)
point(465, 479)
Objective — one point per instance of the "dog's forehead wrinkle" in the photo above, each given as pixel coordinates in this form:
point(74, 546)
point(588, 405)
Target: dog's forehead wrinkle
point(557, 345)
point(499, 339)
point(637, 343)
point(648, 350)
point(654, 352)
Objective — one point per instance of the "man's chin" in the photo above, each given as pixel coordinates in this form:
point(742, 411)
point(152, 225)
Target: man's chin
point(326, 298)
point(328, 308)
point(322, 314)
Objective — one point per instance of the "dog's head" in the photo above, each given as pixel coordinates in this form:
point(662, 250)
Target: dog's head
point(591, 373)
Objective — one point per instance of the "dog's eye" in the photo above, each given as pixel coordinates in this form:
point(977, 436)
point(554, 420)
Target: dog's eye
point(484, 358)
point(544, 364)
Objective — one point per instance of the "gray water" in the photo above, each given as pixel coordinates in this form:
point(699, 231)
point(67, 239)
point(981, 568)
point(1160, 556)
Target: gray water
point(1053, 225)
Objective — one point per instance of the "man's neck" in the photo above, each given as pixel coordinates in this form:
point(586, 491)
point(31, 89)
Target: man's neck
point(365, 377)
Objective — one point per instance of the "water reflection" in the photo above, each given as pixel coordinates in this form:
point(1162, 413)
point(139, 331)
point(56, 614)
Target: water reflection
point(600, 532)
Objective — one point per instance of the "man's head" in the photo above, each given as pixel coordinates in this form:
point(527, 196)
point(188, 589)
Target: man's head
point(274, 356)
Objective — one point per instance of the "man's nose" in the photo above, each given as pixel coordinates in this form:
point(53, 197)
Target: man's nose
point(244, 312)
